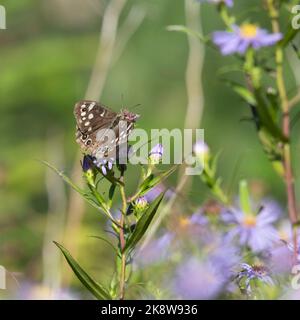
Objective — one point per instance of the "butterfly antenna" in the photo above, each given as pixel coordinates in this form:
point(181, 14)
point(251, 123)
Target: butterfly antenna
point(122, 101)
point(135, 106)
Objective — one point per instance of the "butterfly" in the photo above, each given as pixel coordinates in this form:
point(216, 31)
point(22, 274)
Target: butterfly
point(101, 132)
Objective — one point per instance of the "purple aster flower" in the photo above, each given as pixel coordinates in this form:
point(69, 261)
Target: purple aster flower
point(198, 280)
point(156, 154)
point(249, 273)
point(256, 231)
point(229, 3)
point(244, 36)
point(156, 251)
point(104, 164)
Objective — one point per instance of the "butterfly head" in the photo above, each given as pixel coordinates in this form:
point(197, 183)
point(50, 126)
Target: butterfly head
point(129, 116)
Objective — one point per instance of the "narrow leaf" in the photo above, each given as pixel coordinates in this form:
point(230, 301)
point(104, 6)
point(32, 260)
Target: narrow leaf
point(289, 36)
point(243, 92)
point(266, 117)
point(153, 181)
point(94, 287)
point(106, 241)
point(188, 31)
point(143, 223)
point(83, 193)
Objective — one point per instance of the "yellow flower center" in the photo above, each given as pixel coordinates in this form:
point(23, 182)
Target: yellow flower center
point(250, 221)
point(184, 222)
point(248, 30)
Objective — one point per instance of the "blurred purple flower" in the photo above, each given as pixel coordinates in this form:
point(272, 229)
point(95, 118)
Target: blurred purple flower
point(198, 280)
point(249, 273)
point(290, 294)
point(225, 257)
point(156, 191)
point(244, 36)
point(35, 291)
point(280, 259)
point(229, 3)
point(198, 218)
point(256, 231)
point(156, 251)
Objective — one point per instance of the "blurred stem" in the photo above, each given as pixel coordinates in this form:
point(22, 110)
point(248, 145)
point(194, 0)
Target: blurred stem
point(194, 108)
point(192, 79)
point(289, 177)
point(122, 238)
point(102, 65)
point(105, 52)
point(52, 273)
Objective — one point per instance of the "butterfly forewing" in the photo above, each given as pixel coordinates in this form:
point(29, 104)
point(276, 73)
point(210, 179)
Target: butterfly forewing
point(95, 124)
point(91, 117)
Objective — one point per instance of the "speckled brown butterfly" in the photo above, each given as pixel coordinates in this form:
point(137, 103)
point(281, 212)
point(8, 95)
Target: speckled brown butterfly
point(94, 121)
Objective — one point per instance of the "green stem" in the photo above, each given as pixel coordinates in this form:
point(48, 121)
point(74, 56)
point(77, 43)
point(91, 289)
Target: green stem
point(213, 183)
point(122, 239)
point(287, 162)
point(227, 19)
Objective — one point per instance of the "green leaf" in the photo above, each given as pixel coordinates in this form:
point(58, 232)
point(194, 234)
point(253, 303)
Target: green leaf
point(108, 242)
point(111, 195)
point(188, 31)
point(100, 199)
point(243, 92)
point(266, 117)
point(289, 36)
point(83, 193)
point(99, 291)
point(152, 181)
point(65, 178)
point(143, 223)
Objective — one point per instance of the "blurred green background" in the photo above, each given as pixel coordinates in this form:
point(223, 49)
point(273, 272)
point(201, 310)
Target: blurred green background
point(47, 54)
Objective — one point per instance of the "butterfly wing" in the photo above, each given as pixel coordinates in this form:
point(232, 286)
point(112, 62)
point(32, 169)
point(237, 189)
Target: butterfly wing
point(90, 118)
point(95, 124)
